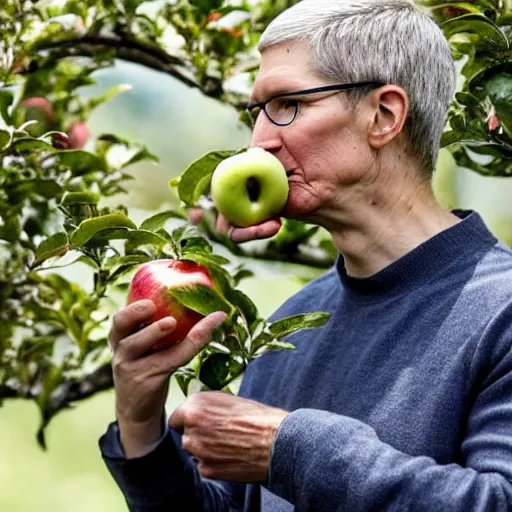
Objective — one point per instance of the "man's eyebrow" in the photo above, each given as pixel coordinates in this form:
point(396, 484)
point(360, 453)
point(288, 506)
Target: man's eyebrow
point(276, 91)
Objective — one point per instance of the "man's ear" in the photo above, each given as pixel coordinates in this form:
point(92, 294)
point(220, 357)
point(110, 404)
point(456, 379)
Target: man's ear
point(390, 106)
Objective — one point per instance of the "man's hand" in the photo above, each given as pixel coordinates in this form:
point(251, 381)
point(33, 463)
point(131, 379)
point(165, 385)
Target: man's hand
point(141, 377)
point(230, 437)
point(264, 230)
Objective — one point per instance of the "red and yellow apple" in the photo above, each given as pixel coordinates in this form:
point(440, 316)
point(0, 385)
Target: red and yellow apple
point(154, 279)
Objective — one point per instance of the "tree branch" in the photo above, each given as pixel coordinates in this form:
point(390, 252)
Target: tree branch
point(132, 51)
point(67, 392)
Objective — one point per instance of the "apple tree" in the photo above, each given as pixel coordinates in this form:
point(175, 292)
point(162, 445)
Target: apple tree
point(53, 331)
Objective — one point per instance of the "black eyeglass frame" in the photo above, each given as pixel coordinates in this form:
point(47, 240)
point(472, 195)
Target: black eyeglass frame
point(326, 88)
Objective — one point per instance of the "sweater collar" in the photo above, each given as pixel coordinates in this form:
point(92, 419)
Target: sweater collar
point(420, 265)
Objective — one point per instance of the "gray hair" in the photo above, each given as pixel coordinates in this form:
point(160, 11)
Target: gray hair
point(374, 40)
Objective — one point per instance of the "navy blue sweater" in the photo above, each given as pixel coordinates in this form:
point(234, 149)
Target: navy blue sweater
point(402, 402)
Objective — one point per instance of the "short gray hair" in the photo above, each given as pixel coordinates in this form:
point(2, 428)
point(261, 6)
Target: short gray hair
point(375, 40)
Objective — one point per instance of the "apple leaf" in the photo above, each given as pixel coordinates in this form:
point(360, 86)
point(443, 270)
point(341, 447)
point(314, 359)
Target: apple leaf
point(203, 258)
point(30, 144)
point(90, 227)
point(41, 187)
point(499, 89)
point(6, 99)
point(200, 298)
point(158, 221)
point(141, 155)
point(279, 345)
point(81, 162)
point(197, 176)
point(5, 139)
point(286, 326)
point(139, 237)
point(244, 304)
point(183, 377)
point(491, 37)
point(116, 262)
point(218, 370)
point(84, 197)
point(55, 245)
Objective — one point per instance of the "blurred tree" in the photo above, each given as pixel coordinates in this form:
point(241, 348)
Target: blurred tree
point(54, 177)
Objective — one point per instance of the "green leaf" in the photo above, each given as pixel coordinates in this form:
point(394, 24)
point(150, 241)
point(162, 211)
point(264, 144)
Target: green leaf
point(279, 345)
point(55, 245)
point(200, 298)
point(184, 376)
point(195, 244)
point(90, 227)
point(81, 162)
point(196, 178)
point(41, 187)
point(139, 237)
point(5, 139)
point(289, 325)
point(218, 370)
point(244, 304)
point(72, 198)
point(110, 94)
point(141, 155)
point(158, 221)
point(205, 7)
point(499, 89)
point(491, 37)
point(6, 99)
point(203, 258)
point(29, 144)
point(120, 261)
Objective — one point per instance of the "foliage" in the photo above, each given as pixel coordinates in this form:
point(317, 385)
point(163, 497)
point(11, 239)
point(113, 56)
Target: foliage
point(53, 345)
point(480, 119)
point(53, 332)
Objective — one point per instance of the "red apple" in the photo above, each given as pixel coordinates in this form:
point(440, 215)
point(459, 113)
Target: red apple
point(78, 135)
point(154, 279)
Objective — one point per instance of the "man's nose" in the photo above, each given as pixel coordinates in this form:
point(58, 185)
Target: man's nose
point(266, 134)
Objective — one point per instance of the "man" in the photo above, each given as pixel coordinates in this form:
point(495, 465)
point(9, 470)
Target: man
point(403, 401)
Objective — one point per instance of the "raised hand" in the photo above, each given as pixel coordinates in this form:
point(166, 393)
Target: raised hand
point(141, 376)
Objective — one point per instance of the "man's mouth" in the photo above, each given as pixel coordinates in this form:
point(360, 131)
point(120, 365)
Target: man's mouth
point(289, 173)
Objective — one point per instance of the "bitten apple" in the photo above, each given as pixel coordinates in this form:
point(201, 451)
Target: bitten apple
point(250, 187)
point(154, 279)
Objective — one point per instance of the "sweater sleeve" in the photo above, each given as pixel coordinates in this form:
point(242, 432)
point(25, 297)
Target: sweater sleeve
point(166, 479)
point(327, 462)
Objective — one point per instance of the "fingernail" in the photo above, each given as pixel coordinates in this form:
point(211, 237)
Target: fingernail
point(143, 306)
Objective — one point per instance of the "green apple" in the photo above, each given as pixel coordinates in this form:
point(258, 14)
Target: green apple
point(250, 187)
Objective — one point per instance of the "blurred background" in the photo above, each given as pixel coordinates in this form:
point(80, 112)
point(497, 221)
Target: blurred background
point(178, 125)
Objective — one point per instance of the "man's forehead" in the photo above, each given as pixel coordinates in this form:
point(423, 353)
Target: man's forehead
point(283, 69)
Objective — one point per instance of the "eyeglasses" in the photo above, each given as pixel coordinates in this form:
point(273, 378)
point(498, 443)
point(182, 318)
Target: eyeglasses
point(282, 110)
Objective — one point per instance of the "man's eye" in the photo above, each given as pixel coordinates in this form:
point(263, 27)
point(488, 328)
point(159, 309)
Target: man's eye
point(287, 103)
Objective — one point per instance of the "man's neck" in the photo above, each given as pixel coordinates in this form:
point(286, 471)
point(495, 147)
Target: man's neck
point(374, 230)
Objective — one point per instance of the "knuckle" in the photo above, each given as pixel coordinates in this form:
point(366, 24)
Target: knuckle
point(193, 416)
point(187, 443)
point(118, 364)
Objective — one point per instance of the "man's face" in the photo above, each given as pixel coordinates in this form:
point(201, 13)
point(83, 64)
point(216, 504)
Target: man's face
point(325, 148)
